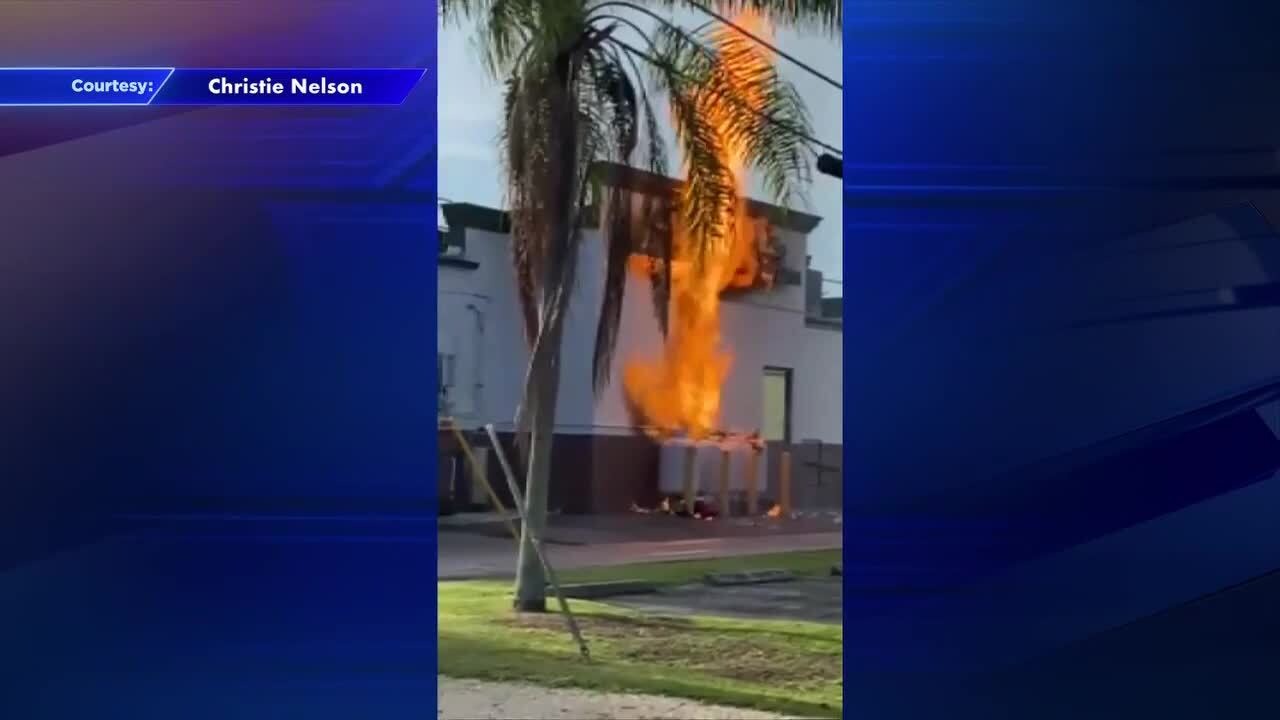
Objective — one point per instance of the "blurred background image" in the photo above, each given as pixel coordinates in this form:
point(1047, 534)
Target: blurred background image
point(216, 374)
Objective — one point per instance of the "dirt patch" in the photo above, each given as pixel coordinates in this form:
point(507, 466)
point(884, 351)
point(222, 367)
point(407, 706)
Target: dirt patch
point(738, 659)
point(679, 642)
point(605, 627)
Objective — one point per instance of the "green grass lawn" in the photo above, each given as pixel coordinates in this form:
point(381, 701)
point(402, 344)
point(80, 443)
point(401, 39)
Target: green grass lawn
point(785, 666)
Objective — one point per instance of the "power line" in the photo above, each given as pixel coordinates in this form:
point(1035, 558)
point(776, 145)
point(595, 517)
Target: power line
point(760, 41)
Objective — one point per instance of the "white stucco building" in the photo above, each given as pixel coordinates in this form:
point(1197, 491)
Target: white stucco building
point(785, 379)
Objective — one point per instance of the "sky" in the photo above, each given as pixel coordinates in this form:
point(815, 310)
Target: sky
point(469, 102)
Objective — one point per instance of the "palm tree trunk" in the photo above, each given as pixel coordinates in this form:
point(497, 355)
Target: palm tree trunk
point(544, 386)
point(531, 584)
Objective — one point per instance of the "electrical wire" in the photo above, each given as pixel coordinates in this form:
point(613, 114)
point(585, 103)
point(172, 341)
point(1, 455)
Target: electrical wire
point(761, 42)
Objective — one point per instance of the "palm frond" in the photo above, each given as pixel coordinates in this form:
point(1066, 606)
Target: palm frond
point(454, 10)
point(503, 29)
point(652, 222)
point(758, 110)
point(768, 120)
point(611, 100)
point(684, 69)
point(619, 240)
point(550, 141)
point(648, 223)
point(824, 15)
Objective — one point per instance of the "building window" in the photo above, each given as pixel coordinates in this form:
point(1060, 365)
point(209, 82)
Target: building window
point(776, 399)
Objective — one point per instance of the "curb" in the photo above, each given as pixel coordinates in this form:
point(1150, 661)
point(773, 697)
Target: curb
point(754, 577)
point(612, 588)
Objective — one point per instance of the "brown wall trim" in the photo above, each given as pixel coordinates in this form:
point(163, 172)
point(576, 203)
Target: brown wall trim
point(609, 473)
point(590, 473)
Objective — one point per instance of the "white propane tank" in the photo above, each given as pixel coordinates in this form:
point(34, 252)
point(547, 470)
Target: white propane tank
point(671, 459)
point(706, 468)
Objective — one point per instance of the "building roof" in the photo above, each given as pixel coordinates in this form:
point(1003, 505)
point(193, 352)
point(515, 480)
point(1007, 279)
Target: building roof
point(652, 184)
point(478, 217)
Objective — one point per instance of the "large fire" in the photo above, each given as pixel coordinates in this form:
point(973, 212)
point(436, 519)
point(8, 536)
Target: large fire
point(679, 391)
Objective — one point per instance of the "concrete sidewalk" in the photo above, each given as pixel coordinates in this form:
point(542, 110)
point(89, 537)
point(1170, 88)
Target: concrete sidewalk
point(637, 526)
point(478, 700)
point(470, 555)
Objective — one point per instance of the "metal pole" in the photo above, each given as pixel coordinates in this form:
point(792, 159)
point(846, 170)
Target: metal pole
point(475, 471)
point(784, 483)
point(518, 498)
point(724, 484)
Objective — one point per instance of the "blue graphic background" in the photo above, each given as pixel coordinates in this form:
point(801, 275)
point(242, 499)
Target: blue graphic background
point(379, 86)
point(1062, 441)
point(75, 87)
point(56, 86)
point(217, 346)
point(218, 408)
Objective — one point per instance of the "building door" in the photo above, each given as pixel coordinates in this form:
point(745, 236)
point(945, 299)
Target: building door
point(776, 401)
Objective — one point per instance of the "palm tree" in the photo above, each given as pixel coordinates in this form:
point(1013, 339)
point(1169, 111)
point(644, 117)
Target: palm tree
point(576, 95)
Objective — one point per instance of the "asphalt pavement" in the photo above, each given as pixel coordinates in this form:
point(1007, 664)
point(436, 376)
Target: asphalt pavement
point(464, 555)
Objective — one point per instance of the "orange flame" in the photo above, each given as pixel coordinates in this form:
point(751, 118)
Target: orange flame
point(679, 391)
point(775, 511)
